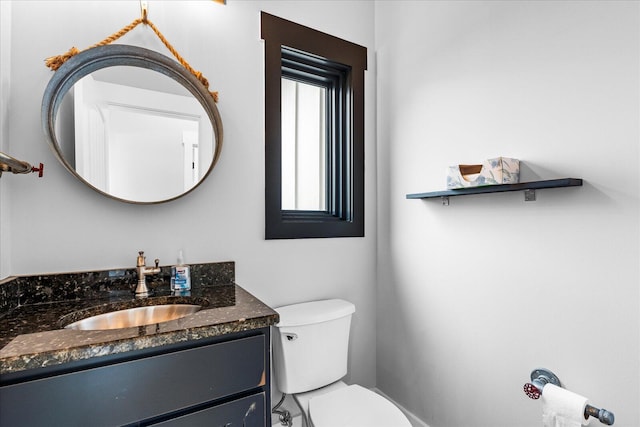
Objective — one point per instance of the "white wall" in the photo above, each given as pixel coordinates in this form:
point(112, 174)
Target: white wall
point(475, 295)
point(5, 55)
point(60, 225)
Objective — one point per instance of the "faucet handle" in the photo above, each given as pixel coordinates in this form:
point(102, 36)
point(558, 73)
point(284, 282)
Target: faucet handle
point(157, 261)
point(140, 262)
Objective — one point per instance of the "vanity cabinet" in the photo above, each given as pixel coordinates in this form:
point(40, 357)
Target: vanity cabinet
point(221, 381)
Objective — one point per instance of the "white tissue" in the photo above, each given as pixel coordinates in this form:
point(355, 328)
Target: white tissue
point(562, 408)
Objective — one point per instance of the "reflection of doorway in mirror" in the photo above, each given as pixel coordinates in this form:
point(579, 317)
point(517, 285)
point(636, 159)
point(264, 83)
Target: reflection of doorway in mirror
point(191, 158)
point(90, 159)
point(303, 146)
point(140, 144)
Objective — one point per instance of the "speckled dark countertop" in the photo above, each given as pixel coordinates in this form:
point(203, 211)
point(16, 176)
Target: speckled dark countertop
point(32, 333)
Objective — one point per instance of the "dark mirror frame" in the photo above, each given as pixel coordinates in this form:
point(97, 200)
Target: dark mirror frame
point(346, 219)
point(88, 61)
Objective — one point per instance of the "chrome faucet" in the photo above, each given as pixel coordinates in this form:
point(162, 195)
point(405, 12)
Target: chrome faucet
point(143, 271)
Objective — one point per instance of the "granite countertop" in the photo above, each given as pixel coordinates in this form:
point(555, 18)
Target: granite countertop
point(33, 336)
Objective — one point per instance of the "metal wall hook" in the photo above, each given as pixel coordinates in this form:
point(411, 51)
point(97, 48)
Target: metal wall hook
point(144, 10)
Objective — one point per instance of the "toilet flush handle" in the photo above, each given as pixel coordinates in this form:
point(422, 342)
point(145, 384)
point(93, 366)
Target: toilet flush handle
point(290, 336)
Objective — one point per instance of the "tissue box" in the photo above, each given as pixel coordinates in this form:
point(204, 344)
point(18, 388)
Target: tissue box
point(501, 170)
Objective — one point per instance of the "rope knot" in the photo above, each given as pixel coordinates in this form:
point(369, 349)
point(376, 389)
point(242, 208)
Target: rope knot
point(55, 62)
point(203, 80)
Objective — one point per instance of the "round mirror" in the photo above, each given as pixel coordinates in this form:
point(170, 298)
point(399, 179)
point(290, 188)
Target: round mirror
point(132, 124)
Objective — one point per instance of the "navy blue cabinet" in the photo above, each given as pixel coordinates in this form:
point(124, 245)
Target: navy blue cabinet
point(222, 381)
point(245, 412)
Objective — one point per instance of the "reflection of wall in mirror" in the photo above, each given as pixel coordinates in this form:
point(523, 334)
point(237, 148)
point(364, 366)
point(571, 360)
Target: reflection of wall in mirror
point(144, 145)
point(147, 154)
point(64, 128)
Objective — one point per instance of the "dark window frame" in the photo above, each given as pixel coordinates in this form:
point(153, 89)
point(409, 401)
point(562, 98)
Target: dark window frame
point(292, 49)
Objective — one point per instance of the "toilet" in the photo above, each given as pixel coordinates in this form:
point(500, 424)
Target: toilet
point(310, 350)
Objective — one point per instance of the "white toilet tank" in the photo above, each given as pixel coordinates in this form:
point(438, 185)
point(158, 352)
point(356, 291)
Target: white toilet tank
point(311, 343)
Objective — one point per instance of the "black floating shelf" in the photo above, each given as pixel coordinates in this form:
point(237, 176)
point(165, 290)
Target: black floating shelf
point(533, 185)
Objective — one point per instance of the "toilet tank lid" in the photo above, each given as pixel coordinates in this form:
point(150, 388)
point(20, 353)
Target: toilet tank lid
point(307, 313)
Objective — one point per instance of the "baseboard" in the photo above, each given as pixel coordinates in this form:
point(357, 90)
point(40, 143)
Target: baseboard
point(415, 421)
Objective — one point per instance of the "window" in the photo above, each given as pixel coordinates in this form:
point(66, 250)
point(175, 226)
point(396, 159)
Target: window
point(304, 113)
point(314, 132)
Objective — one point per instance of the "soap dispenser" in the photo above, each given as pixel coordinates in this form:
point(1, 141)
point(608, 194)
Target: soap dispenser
point(180, 275)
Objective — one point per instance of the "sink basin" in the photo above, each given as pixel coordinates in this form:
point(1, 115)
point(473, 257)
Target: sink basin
point(138, 316)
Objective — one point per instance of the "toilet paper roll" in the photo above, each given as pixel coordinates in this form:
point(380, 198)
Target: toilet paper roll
point(562, 408)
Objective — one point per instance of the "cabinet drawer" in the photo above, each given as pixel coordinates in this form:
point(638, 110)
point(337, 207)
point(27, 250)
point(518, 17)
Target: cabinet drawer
point(246, 412)
point(126, 392)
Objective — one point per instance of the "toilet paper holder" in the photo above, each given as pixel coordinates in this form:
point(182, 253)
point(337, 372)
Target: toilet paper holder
point(542, 377)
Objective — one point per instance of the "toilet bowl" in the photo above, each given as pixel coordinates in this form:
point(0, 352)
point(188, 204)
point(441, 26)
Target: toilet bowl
point(310, 351)
point(342, 405)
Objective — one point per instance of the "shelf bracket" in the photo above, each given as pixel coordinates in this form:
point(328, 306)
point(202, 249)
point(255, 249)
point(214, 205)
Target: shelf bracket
point(530, 195)
point(445, 200)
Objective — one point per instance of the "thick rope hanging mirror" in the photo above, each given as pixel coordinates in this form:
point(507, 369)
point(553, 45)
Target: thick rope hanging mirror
point(54, 62)
point(188, 145)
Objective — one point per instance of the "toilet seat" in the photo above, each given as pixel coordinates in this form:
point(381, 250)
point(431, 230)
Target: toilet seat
point(355, 406)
